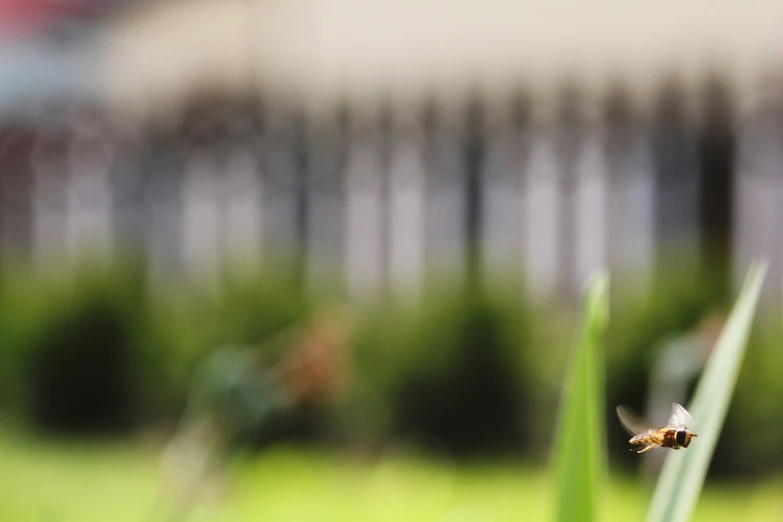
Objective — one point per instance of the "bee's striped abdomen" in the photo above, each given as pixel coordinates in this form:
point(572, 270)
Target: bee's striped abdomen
point(648, 437)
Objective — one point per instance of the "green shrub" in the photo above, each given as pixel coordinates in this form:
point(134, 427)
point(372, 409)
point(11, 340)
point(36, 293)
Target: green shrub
point(97, 349)
point(461, 371)
point(449, 374)
point(754, 415)
point(74, 346)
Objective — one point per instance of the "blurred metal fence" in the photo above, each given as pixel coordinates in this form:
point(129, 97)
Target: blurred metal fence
point(384, 201)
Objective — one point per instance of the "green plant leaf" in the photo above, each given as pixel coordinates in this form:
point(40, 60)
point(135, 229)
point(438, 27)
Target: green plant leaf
point(580, 458)
point(683, 472)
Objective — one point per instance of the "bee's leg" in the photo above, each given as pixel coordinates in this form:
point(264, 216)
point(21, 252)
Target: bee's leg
point(651, 446)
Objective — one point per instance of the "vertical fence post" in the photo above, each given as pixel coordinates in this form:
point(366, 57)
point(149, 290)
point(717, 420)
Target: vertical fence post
point(631, 178)
point(128, 186)
point(759, 192)
point(591, 201)
point(363, 213)
point(163, 201)
point(386, 145)
point(89, 202)
point(407, 224)
point(541, 227)
point(300, 134)
point(16, 189)
point(201, 184)
point(50, 181)
point(678, 180)
point(241, 209)
point(570, 141)
point(445, 194)
point(503, 206)
point(473, 155)
point(323, 196)
point(716, 152)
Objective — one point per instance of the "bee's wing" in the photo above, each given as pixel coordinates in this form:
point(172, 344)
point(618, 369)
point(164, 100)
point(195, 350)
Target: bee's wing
point(679, 417)
point(631, 421)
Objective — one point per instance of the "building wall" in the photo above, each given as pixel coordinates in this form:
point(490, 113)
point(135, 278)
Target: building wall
point(320, 50)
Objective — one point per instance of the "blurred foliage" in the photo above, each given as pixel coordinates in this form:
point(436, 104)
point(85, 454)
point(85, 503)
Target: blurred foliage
point(99, 350)
point(460, 371)
point(80, 363)
point(71, 347)
point(189, 325)
point(754, 415)
point(450, 374)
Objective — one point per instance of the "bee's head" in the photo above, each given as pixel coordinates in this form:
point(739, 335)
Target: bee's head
point(683, 437)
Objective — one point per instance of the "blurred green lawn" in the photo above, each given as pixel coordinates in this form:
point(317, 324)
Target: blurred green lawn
point(68, 481)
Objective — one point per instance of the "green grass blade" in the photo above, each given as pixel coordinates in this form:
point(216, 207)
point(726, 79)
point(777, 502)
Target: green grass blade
point(683, 473)
point(580, 458)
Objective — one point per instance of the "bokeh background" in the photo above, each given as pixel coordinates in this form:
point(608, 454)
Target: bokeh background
point(320, 260)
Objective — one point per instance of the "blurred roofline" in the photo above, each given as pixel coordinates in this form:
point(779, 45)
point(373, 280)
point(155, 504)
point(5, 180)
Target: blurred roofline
point(323, 52)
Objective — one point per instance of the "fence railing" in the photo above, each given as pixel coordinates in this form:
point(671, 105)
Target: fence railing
point(383, 201)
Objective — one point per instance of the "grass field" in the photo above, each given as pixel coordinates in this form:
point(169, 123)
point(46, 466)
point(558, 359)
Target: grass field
point(45, 481)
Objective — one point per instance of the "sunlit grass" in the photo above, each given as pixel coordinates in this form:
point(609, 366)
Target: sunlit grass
point(63, 481)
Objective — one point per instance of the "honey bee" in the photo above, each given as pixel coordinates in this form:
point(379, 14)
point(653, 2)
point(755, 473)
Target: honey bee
point(674, 435)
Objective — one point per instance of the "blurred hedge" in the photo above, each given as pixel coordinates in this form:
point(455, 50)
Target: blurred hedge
point(101, 351)
point(461, 372)
point(70, 347)
point(450, 375)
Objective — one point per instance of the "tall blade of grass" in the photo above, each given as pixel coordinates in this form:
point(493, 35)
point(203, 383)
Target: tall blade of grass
point(683, 472)
point(580, 458)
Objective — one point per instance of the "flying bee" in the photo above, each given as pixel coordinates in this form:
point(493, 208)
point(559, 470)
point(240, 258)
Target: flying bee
point(674, 435)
